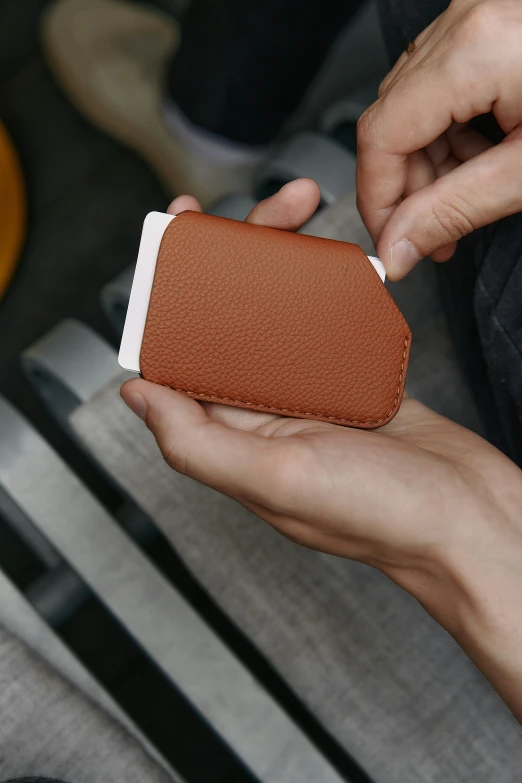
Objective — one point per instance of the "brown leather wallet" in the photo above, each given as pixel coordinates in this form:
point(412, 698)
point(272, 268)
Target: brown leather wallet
point(284, 323)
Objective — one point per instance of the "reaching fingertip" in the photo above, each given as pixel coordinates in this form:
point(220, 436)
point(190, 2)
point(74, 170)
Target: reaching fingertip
point(290, 208)
point(302, 187)
point(184, 204)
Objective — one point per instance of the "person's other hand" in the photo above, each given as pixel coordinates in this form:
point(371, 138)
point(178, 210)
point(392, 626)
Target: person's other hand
point(430, 504)
point(425, 178)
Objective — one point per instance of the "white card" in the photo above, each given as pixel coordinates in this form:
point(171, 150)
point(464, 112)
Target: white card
point(153, 230)
point(130, 348)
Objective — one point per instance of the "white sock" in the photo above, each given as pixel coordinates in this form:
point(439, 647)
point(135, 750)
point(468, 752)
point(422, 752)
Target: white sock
point(210, 146)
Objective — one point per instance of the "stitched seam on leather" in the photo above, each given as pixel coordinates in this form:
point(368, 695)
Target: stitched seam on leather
point(216, 398)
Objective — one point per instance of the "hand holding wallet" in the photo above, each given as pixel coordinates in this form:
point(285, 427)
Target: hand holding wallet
point(259, 318)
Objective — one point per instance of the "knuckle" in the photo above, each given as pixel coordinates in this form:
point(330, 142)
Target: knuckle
point(169, 448)
point(363, 205)
point(387, 82)
point(366, 127)
point(454, 216)
point(482, 21)
point(173, 454)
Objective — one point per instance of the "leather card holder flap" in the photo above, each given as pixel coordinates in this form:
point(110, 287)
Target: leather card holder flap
point(259, 318)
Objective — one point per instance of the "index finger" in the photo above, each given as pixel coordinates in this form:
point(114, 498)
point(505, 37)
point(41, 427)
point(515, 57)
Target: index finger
point(415, 111)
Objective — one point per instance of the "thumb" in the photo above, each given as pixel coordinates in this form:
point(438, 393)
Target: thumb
point(236, 463)
point(289, 208)
point(475, 194)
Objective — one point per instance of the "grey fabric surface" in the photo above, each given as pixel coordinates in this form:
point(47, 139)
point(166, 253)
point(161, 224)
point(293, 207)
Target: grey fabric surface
point(383, 678)
point(20, 619)
point(48, 729)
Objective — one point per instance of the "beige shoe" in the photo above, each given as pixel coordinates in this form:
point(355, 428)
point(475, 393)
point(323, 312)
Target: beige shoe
point(111, 57)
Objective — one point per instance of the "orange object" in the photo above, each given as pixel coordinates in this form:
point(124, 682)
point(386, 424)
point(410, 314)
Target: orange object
point(12, 210)
point(258, 318)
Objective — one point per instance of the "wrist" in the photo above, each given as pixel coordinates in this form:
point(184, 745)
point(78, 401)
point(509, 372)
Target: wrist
point(476, 595)
point(489, 622)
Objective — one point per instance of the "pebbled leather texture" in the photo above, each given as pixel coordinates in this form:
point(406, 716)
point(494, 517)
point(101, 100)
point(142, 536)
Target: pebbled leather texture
point(259, 318)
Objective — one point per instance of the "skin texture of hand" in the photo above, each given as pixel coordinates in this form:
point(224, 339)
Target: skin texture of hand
point(433, 506)
point(425, 179)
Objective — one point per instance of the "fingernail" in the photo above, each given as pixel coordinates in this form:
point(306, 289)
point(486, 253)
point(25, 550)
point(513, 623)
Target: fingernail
point(137, 404)
point(403, 257)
